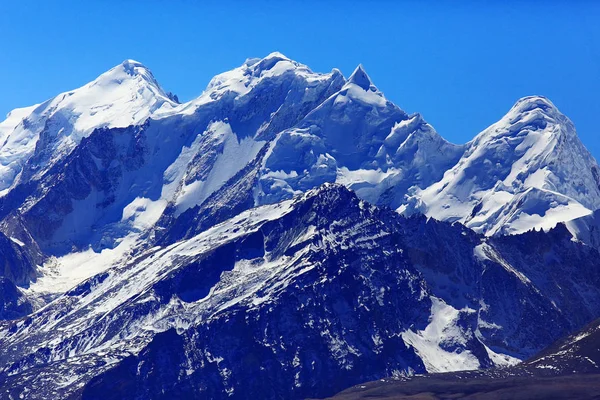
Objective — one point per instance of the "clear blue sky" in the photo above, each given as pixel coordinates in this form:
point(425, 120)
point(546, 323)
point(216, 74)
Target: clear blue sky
point(461, 64)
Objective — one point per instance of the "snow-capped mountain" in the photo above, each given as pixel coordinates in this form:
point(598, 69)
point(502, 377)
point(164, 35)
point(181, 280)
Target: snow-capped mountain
point(354, 137)
point(272, 124)
point(360, 139)
point(218, 248)
point(527, 171)
point(275, 128)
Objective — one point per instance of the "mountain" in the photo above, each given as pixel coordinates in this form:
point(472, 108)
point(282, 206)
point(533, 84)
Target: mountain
point(250, 242)
point(360, 139)
point(527, 171)
point(354, 136)
point(302, 299)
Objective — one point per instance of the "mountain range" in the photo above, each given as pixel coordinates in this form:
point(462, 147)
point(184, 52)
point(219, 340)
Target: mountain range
point(287, 234)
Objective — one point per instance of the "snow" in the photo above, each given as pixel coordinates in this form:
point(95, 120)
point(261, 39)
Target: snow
point(356, 93)
point(17, 241)
point(236, 154)
point(443, 329)
point(242, 80)
point(501, 360)
point(360, 88)
point(13, 119)
point(59, 274)
point(485, 252)
point(143, 212)
point(580, 336)
point(536, 209)
point(348, 178)
point(546, 366)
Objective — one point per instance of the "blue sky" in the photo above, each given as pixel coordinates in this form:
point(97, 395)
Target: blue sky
point(461, 64)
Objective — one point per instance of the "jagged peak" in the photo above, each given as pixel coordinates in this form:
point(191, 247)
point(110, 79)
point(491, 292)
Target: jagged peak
point(253, 70)
point(328, 189)
point(360, 78)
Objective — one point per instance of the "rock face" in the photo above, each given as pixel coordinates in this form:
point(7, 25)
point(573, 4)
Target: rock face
point(18, 268)
point(246, 243)
point(13, 304)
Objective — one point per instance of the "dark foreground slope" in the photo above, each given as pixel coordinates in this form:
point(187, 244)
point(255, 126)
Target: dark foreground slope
point(580, 386)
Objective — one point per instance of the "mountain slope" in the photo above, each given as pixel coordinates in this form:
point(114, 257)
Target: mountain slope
point(313, 294)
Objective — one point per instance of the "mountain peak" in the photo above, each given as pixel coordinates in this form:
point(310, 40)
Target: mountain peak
point(137, 77)
point(128, 69)
point(125, 95)
point(253, 71)
point(133, 67)
point(360, 78)
point(276, 54)
point(131, 62)
point(530, 103)
point(529, 114)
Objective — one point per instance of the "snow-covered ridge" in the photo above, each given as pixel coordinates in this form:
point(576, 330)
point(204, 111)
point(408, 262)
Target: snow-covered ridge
point(254, 72)
point(528, 170)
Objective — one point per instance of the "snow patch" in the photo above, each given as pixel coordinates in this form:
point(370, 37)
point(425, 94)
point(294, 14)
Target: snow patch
point(442, 330)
